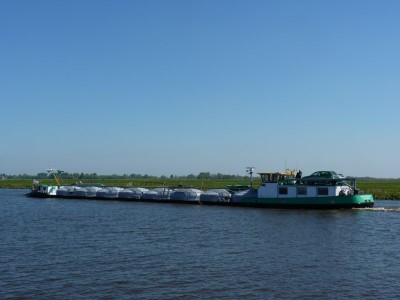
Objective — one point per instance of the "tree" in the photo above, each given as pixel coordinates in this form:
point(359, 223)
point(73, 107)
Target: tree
point(204, 175)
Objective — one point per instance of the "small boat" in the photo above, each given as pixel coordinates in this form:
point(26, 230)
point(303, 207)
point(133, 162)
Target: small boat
point(108, 192)
point(216, 195)
point(80, 192)
point(157, 194)
point(71, 191)
point(91, 191)
point(186, 195)
point(132, 193)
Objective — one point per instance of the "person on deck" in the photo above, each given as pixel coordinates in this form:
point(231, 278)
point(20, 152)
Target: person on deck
point(298, 176)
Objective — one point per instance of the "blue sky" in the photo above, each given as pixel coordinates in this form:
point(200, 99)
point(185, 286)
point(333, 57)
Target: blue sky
point(180, 87)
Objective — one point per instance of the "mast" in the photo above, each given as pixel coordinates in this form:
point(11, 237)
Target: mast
point(250, 171)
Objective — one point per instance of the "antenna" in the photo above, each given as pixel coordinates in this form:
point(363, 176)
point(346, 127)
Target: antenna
point(250, 171)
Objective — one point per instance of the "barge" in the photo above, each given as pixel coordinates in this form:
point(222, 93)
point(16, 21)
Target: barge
point(320, 190)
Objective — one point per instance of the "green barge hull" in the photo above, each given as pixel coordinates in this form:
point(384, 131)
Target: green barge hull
point(337, 202)
point(353, 201)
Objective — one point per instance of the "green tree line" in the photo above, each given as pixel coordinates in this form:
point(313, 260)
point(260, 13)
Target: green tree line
point(75, 176)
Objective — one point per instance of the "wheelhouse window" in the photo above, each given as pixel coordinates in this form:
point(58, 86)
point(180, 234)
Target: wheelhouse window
point(272, 177)
point(283, 191)
point(322, 191)
point(302, 191)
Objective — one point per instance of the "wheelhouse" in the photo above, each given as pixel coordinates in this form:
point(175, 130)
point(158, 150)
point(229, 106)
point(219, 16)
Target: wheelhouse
point(276, 177)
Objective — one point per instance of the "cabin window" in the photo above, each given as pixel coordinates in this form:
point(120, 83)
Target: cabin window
point(283, 191)
point(322, 191)
point(277, 177)
point(264, 178)
point(302, 191)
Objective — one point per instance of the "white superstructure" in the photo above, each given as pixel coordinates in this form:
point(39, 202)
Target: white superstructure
point(284, 185)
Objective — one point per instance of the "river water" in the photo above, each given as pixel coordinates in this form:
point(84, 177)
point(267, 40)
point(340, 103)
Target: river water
point(74, 249)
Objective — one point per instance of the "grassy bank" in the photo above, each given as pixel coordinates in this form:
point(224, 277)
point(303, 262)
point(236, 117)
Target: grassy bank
point(380, 188)
point(147, 183)
point(386, 189)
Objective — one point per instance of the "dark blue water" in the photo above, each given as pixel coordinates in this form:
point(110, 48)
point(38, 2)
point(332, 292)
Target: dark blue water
point(69, 249)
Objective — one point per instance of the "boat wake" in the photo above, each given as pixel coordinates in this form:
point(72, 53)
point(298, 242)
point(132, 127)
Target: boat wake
point(381, 209)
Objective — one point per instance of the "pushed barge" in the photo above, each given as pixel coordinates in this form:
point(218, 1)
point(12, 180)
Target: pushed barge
point(320, 190)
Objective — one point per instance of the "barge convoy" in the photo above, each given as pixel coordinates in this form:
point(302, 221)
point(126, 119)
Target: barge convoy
point(320, 190)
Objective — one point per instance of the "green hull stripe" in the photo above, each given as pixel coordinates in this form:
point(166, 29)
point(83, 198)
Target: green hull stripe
point(342, 200)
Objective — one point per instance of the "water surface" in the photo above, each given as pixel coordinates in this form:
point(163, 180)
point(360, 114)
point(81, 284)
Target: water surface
point(68, 249)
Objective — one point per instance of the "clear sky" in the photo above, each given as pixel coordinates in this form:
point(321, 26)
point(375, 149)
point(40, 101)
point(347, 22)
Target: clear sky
point(179, 87)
